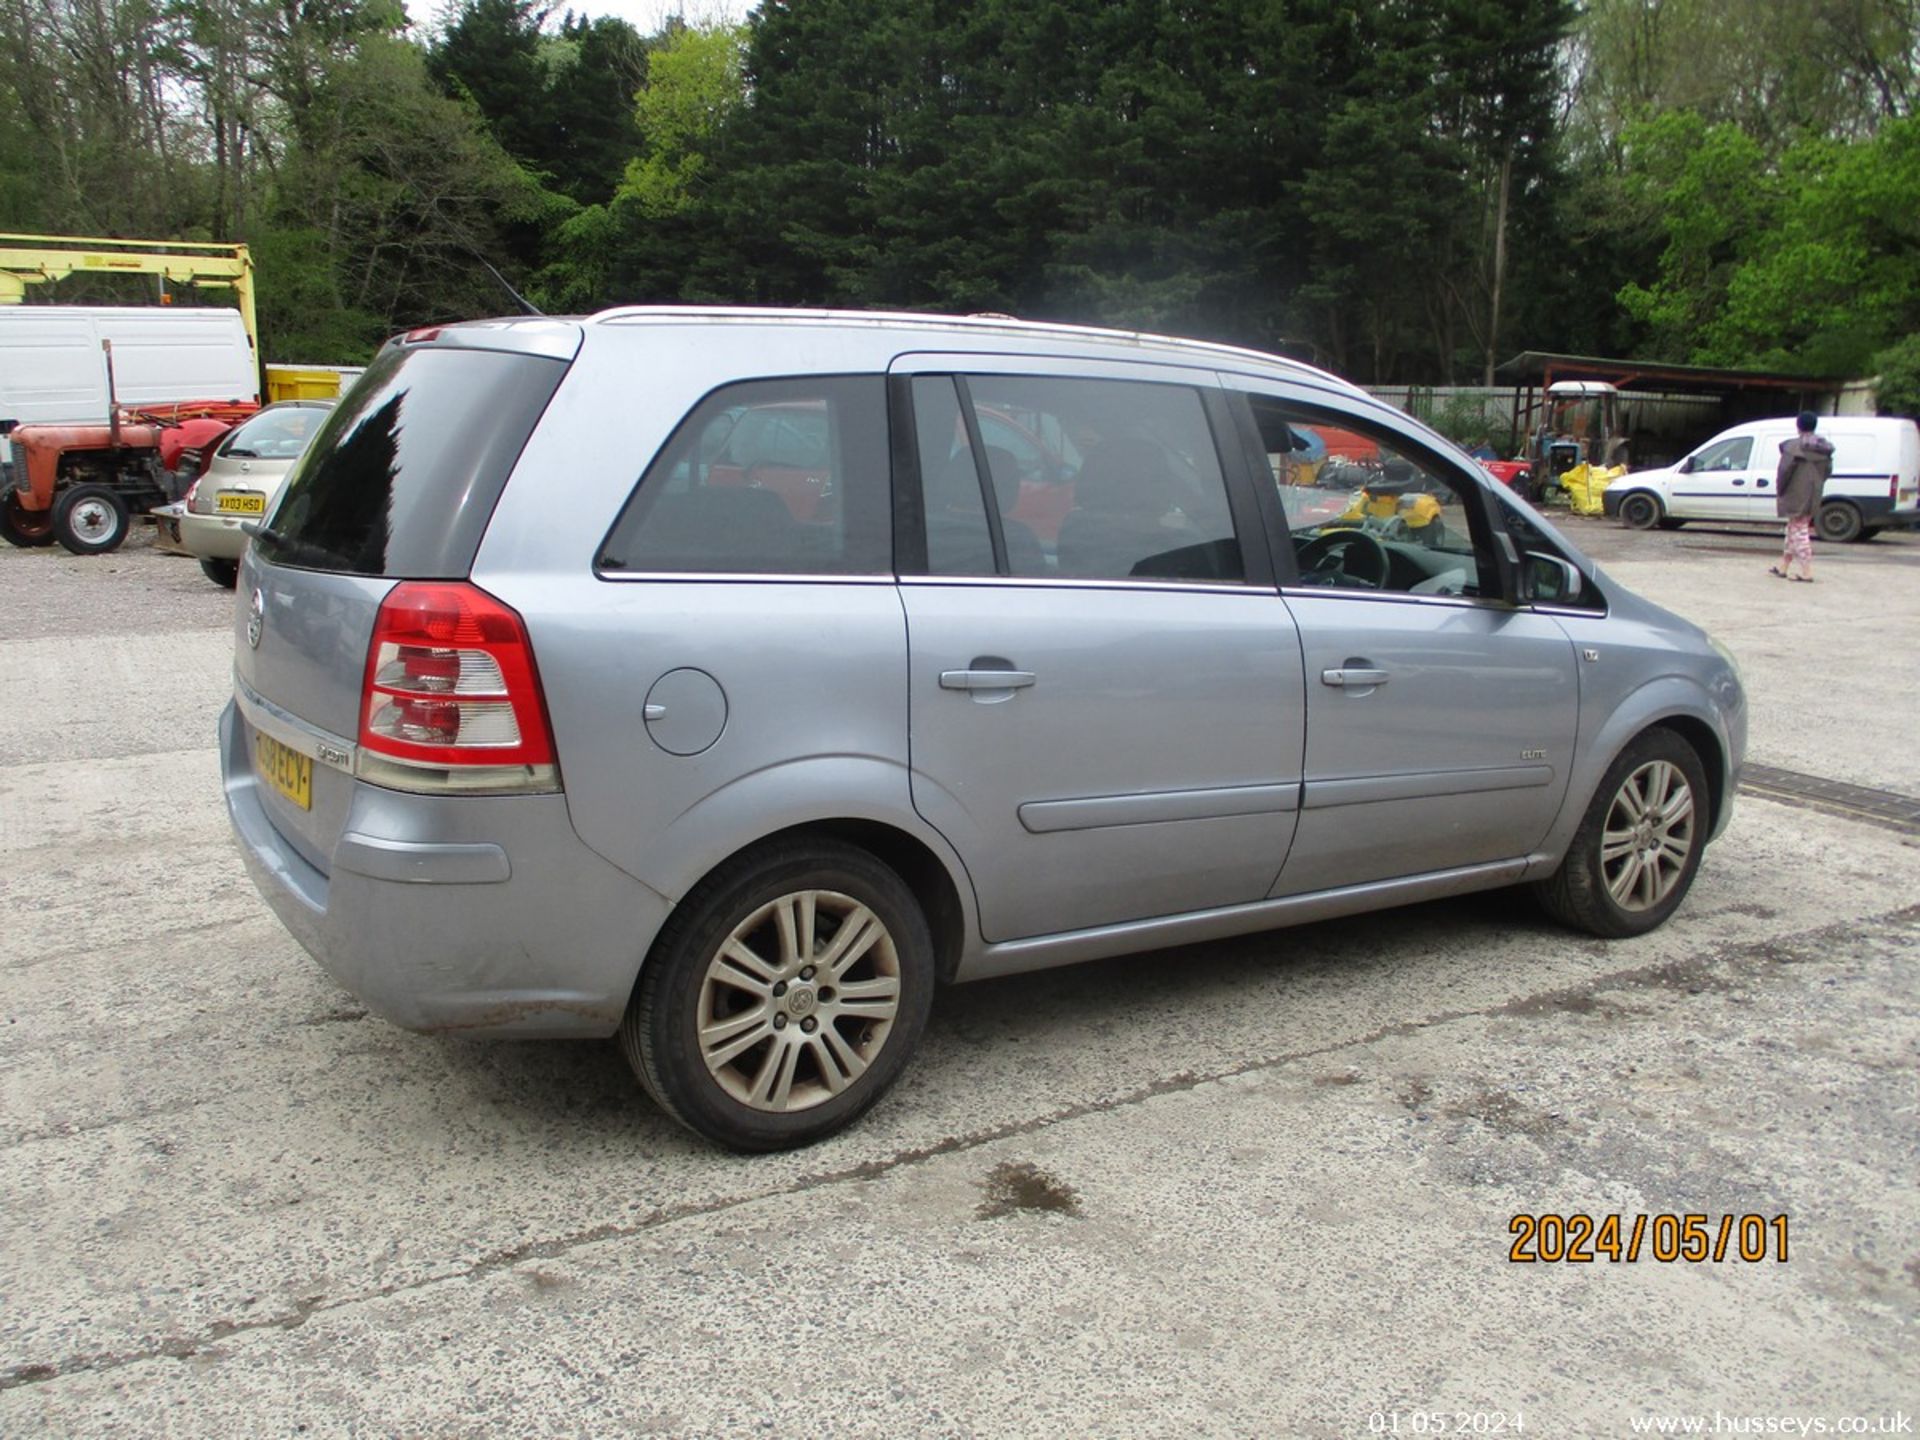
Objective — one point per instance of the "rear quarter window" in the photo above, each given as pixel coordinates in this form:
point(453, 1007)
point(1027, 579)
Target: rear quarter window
point(403, 478)
point(766, 477)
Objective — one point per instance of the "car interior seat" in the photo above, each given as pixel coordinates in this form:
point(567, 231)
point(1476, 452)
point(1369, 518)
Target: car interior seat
point(957, 538)
point(728, 525)
point(1120, 499)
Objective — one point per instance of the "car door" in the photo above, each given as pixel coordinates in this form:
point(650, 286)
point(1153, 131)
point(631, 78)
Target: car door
point(1440, 718)
point(1721, 482)
point(1106, 723)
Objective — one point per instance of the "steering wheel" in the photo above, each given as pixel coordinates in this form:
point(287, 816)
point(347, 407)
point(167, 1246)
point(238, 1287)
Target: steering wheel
point(1331, 553)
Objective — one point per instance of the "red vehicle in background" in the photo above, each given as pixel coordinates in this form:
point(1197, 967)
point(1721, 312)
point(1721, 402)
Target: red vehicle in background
point(82, 484)
point(787, 449)
point(1516, 475)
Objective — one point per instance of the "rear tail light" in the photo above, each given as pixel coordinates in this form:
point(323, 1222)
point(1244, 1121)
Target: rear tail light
point(452, 702)
point(1893, 487)
point(192, 490)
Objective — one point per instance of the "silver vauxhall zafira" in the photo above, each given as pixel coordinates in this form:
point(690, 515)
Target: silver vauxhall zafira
point(726, 680)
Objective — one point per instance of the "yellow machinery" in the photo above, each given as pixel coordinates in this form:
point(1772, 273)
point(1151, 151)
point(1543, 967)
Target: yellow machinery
point(309, 382)
point(39, 259)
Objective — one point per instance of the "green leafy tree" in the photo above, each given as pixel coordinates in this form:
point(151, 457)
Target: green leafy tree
point(1835, 273)
point(1708, 190)
point(1898, 370)
point(1777, 71)
point(694, 83)
point(390, 208)
point(490, 54)
point(1812, 263)
point(594, 69)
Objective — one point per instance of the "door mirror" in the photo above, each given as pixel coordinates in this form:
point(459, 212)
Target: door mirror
point(1549, 580)
point(1685, 467)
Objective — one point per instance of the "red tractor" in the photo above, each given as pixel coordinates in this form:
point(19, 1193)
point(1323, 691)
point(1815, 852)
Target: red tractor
point(82, 484)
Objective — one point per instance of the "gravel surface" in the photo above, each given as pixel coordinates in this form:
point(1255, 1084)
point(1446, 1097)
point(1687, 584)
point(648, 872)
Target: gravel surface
point(1255, 1188)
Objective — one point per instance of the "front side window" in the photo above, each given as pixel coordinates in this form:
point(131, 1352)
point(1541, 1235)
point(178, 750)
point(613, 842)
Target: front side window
point(766, 477)
point(1088, 479)
point(1727, 455)
point(1365, 515)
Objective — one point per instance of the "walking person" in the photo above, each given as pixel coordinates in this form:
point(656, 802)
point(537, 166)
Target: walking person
point(1805, 463)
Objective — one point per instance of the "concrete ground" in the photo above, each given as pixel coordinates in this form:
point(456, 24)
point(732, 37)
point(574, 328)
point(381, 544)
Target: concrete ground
point(1255, 1188)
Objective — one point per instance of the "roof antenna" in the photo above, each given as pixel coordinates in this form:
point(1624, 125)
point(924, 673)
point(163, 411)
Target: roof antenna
point(527, 307)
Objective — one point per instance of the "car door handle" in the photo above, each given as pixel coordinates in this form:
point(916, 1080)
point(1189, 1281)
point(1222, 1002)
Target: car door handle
point(1739, 482)
point(1350, 675)
point(986, 679)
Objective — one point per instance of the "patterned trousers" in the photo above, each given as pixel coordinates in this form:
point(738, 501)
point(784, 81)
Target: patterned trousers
point(1800, 540)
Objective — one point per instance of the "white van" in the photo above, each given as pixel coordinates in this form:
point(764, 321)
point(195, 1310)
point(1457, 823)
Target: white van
point(52, 368)
point(1875, 483)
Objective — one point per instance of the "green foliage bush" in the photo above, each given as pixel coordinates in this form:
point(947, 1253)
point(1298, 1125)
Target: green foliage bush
point(1898, 368)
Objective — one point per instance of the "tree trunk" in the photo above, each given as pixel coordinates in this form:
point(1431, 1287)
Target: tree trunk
point(1499, 262)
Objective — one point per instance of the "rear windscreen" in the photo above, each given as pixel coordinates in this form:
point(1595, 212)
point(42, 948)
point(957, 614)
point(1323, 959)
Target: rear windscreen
point(401, 480)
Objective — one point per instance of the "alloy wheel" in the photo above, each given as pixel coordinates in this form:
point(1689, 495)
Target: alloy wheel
point(798, 1001)
point(1648, 836)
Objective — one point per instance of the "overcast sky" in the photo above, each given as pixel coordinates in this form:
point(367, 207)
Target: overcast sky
point(647, 16)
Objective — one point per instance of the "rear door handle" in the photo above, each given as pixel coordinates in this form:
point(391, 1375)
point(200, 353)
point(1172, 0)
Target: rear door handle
point(1348, 675)
point(986, 679)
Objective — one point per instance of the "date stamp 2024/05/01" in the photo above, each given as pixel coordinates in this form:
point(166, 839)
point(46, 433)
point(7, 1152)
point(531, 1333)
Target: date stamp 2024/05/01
point(1577, 1239)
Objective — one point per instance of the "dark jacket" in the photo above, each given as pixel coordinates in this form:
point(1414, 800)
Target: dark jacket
point(1805, 463)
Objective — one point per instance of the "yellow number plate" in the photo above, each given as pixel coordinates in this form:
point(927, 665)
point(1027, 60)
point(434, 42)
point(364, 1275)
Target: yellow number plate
point(287, 771)
point(239, 502)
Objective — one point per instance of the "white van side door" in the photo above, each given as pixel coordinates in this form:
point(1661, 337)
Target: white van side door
point(1720, 482)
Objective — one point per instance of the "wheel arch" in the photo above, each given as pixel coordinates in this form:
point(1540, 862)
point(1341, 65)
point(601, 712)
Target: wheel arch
point(915, 862)
point(1702, 740)
point(945, 897)
point(1672, 702)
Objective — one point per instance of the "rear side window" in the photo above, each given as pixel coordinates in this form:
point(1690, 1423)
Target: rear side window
point(1089, 479)
point(403, 477)
point(768, 477)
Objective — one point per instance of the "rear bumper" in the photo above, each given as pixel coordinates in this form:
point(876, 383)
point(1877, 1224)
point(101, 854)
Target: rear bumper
point(213, 537)
point(469, 914)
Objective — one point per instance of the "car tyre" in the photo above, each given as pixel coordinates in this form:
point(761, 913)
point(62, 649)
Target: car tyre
point(1839, 522)
point(1641, 510)
point(1638, 847)
point(27, 529)
point(224, 573)
point(783, 997)
point(91, 519)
